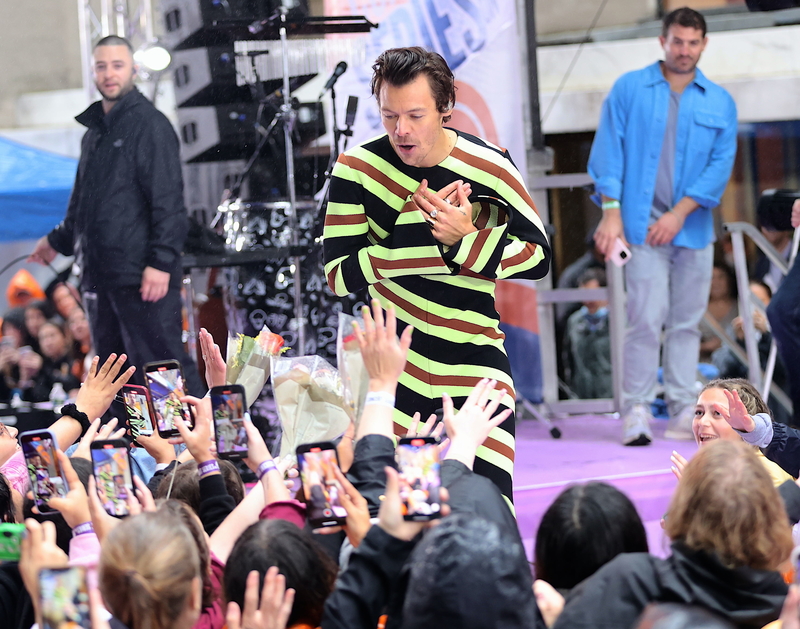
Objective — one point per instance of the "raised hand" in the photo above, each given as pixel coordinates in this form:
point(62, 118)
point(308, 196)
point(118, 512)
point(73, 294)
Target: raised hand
point(549, 601)
point(390, 515)
point(216, 368)
point(736, 414)
point(470, 427)
point(384, 354)
point(272, 612)
point(358, 520)
point(96, 433)
point(74, 506)
point(678, 464)
point(39, 550)
point(102, 385)
point(197, 440)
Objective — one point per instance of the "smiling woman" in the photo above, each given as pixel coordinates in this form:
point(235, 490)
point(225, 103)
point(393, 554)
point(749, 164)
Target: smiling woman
point(730, 402)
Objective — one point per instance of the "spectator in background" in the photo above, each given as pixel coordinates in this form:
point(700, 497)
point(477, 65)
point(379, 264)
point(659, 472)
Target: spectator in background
point(722, 307)
point(764, 269)
point(588, 344)
point(23, 289)
point(661, 159)
point(571, 277)
point(57, 360)
point(36, 313)
point(82, 348)
point(64, 297)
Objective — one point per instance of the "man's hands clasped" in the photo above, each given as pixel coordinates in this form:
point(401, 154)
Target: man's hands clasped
point(448, 212)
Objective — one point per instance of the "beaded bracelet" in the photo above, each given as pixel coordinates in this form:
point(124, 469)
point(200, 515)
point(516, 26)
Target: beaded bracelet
point(381, 398)
point(208, 467)
point(265, 468)
point(83, 529)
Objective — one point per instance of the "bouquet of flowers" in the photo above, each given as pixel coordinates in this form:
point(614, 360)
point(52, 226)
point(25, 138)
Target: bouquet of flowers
point(310, 401)
point(248, 360)
point(355, 378)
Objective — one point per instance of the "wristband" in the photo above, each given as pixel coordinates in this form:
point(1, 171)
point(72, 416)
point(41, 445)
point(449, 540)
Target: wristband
point(265, 468)
point(208, 467)
point(70, 410)
point(610, 205)
point(83, 529)
point(380, 398)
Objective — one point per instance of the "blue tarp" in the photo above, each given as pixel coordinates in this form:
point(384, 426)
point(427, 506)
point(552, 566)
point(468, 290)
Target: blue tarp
point(34, 190)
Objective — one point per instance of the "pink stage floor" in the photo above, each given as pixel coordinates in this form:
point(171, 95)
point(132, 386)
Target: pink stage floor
point(590, 449)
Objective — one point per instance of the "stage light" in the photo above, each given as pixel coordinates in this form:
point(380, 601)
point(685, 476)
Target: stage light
point(153, 57)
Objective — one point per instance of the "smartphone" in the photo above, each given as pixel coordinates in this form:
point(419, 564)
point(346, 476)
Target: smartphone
point(165, 381)
point(39, 450)
point(620, 254)
point(419, 478)
point(227, 406)
point(322, 491)
point(139, 407)
point(10, 541)
point(65, 598)
point(111, 466)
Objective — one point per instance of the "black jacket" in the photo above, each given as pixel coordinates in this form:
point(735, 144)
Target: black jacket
point(375, 581)
point(126, 210)
point(615, 595)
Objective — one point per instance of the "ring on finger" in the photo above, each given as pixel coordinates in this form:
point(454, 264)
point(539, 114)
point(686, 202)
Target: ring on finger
point(448, 201)
point(434, 213)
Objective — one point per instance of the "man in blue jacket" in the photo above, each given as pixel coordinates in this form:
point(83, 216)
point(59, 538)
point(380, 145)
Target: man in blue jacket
point(126, 222)
point(661, 159)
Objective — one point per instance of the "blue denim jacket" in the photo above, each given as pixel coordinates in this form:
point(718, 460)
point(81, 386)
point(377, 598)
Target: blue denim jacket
point(627, 147)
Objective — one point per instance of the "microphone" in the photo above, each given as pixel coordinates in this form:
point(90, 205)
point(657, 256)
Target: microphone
point(340, 69)
point(350, 113)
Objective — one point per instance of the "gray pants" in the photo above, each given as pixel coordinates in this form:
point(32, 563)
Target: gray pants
point(667, 290)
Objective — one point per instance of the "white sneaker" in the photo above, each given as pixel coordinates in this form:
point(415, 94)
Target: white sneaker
point(680, 426)
point(636, 426)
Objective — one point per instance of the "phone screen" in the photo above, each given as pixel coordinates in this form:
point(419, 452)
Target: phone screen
point(112, 475)
point(420, 479)
point(138, 408)
point(320, 486)
point(229, 428)
point(45, 473)
point(167, 388)
point(65, 598)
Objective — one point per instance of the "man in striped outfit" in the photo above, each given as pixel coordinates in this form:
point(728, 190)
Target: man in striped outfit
point(429, 218)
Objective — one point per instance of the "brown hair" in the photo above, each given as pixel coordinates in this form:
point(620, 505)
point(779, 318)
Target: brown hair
point(147, 569)
point(686, 17)
point(401, 66)
point(726, 504)
point(186, 486)
point(748, 394)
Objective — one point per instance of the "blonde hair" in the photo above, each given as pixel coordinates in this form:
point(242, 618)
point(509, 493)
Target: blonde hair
point(726, 504)
point(147, 569)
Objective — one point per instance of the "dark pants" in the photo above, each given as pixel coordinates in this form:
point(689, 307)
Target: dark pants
point(783, 313)
point(146, 331)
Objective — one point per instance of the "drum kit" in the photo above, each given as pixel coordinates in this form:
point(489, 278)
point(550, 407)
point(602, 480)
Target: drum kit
point(287, 290)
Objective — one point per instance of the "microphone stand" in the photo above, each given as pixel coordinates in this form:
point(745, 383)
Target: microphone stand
point(337, 136)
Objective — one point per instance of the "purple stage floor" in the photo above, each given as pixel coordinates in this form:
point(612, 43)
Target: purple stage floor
point(590, 449)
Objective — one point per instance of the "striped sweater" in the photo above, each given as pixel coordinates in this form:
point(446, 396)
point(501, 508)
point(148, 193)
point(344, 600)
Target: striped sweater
point(376, 236)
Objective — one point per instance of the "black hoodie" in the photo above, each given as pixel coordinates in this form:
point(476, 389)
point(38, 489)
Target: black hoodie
point(616, 594)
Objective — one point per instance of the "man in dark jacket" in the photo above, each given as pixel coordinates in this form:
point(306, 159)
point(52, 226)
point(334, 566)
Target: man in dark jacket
point(126, 221)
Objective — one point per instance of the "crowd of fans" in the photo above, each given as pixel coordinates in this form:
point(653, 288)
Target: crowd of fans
point(44, 340)
point(200, 550)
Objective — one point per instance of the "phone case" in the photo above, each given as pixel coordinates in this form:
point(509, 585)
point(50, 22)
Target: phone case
point(620, 254)
point(10, 541)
